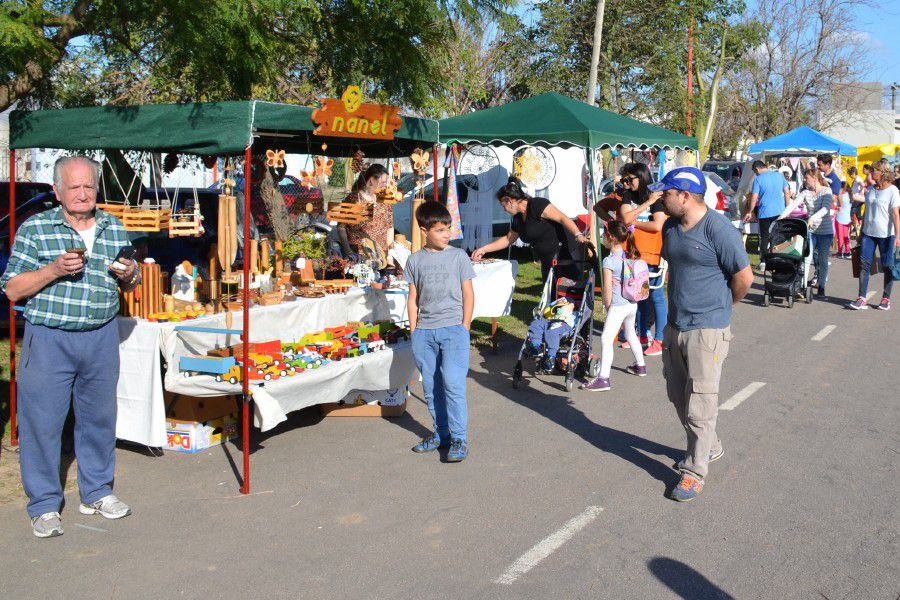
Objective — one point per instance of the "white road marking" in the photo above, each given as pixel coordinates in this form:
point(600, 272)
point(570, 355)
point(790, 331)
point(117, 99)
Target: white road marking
point(89, 528)
point(870, 294)
point(548, 545)
point(824, 333)
point(742, 395)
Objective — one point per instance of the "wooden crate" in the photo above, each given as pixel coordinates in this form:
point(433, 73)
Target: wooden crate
point(350, 213)
point(116, 210)
point(185, 226)
point(136, 219)
point(362, 410)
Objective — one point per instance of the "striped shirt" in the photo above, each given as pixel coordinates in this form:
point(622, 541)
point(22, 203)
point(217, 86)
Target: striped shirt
point(78, 302)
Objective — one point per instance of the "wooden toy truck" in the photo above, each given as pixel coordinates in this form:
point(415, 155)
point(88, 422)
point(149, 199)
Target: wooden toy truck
point(205, 365)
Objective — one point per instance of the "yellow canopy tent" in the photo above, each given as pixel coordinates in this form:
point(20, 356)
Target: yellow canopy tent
point(869, 154)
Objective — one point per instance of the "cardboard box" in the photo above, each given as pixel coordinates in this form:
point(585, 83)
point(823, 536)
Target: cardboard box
point(791, 247)
point(190, 437)
point(361, 403)
point(192, 408)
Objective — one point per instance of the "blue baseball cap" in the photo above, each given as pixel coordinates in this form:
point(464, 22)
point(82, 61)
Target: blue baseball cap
point(686, 179)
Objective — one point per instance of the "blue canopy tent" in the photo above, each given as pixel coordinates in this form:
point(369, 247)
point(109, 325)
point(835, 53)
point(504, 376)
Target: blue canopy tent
point(802, 141)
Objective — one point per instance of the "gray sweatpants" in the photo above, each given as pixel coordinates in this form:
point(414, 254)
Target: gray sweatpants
point(692, 366)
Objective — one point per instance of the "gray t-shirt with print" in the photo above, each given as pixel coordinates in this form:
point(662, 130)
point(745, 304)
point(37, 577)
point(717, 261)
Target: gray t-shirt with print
point(438, 277)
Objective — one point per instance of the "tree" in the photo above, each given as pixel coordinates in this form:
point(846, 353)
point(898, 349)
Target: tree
point(808, 47)
point(69, 52)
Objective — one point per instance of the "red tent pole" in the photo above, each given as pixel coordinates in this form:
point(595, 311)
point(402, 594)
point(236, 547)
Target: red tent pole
point(434, 158)
point(245, 416)
point(13, 434)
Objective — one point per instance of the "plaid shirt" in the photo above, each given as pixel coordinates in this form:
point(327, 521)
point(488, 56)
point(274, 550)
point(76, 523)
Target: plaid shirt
point(77, 302)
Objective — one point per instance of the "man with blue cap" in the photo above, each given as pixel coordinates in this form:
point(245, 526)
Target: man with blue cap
point(709, 272)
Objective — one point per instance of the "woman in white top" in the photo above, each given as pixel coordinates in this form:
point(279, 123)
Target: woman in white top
point(881, 223)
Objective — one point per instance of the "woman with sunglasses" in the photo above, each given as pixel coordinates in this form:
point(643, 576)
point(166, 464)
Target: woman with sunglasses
point(881, 225)
point(539, 223)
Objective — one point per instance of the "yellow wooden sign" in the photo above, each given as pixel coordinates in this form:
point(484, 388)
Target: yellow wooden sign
point(350, 117)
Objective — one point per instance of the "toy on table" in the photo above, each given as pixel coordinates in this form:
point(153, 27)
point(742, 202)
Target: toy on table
point(205, 365)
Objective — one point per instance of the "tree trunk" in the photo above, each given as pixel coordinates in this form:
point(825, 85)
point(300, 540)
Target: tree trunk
point(595, 52)
point(706, 137)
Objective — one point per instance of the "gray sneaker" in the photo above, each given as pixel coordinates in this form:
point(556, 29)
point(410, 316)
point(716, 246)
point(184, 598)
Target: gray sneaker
point(713, 457)
point(47, 525)
point(107, 506)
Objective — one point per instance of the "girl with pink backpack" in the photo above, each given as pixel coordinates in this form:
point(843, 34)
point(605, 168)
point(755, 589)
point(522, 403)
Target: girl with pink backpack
point(626, 281)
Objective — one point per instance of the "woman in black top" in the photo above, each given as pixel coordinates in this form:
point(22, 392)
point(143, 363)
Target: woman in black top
point(539, 223)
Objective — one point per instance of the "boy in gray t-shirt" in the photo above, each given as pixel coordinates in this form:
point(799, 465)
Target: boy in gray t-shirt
point(440, 307)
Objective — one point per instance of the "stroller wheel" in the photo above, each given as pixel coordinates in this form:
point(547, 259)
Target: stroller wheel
point(809, 294)
point(570, 380)
point(791, 301)
point(766, 299)
point(517, 375)
point(594, 368)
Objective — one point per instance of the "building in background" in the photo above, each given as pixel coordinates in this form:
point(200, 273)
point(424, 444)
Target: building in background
point(861, 114)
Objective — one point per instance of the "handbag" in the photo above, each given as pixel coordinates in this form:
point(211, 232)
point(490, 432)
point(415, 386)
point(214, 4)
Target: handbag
point(856, 262)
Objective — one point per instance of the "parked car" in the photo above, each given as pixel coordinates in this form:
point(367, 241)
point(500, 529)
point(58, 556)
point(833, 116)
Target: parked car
point(403, 210)
point(25, 191)
point(296, 197)
point(729, 170)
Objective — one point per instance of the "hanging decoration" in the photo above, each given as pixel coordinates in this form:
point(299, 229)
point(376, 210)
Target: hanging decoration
point(358, 165)
point(227, 226)
point(308, 180)
point(323, 166)
point(209, 161)
point(389, 194)
point(170, 162)
point(456, 232)
point(420, 162)
point(395, 168)
point(479, 168)
point(534, 166)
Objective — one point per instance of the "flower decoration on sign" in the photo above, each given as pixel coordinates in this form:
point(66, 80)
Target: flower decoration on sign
point(420, 161)
point(274, 158)
point(323, 166)
point(352, 98)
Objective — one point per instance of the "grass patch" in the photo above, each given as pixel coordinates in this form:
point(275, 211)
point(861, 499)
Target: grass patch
point(4, 388)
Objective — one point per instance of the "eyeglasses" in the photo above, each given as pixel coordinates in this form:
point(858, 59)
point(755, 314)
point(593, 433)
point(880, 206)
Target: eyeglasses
point(630, 178)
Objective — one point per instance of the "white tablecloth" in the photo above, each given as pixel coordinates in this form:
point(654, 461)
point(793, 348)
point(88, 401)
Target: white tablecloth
point(493, 285)
point(141, 404)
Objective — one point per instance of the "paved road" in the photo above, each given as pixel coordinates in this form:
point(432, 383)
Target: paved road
point(562, 497)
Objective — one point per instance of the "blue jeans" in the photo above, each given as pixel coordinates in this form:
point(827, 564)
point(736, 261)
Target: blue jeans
point(821, 249)
point(657, 303)
point(58, 368)
point(867, 255)
point(442, 356)
point(539, 331)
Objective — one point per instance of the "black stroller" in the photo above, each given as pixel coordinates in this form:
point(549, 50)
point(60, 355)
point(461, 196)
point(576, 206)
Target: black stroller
point(787, 267)
point(575, 357)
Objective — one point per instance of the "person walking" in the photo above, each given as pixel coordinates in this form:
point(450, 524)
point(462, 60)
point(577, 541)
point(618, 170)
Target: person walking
point(881, 223)
point(770, 195)
point(709, 272)
point(842, 222)
point(64, 265)
point(822, 228)
point(824, 163)
point(619, 310)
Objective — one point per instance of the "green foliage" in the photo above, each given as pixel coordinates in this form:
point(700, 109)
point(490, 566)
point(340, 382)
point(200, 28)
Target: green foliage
point(307, 244)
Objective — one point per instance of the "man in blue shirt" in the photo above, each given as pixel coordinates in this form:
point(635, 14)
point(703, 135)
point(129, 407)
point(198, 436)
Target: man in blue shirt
point(709, 272)
point(771, 194)
point(823, 161)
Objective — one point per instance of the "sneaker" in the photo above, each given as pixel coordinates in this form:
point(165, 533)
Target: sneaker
point(639, 370)
point(47, 525)
point(459, 450)
point(109, 507)
point(885, 304)
point(687, 489)
point(429, 444)
point(821, 292)
point(599, 384)
point(548, 366)
point(625, 345)
point(859, 304)
point(654, 349)
point(713, 457)
point(530, 351)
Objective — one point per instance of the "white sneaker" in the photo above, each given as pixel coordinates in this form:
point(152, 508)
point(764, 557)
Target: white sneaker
point(47, 525)
point(107, 506)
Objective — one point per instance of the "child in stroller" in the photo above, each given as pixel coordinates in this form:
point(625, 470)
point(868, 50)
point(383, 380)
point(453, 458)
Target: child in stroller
point(548, 329)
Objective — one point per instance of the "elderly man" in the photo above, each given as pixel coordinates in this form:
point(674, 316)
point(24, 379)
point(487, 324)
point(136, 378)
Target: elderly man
point(65, 264)
point(708, 272)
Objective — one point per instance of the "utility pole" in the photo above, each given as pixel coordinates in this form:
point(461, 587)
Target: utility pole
point(690, 76)
point(595, 52)
point(894, 87)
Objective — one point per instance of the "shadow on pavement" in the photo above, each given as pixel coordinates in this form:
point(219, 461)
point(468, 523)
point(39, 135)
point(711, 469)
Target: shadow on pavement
point(559, 409)
point(685, 581)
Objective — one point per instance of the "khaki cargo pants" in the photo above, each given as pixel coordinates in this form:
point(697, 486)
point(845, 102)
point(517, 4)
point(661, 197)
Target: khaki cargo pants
point(692, 366)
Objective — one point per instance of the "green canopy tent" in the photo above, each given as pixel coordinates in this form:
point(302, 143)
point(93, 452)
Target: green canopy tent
point(201, 128)
point(554, 120)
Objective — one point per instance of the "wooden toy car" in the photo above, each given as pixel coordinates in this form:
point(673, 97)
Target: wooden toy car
point(205, 365)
